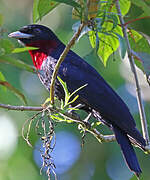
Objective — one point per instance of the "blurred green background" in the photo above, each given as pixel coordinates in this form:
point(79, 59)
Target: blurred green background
point(93, 161)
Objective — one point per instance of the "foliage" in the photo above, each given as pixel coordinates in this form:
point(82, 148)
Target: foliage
point(105, 35)
point(104, 30)
point(64, 105)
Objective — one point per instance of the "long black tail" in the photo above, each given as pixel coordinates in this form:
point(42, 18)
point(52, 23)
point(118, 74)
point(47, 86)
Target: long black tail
point(128, 151)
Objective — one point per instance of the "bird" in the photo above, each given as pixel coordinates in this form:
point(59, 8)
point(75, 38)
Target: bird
point(97, 98)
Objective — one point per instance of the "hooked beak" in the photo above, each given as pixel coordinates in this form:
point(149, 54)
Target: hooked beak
point(20, 35)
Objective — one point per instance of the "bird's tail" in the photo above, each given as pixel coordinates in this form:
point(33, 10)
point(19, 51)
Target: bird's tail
point(128, 151)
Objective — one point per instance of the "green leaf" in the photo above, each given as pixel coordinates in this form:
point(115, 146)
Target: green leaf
point(14, 90)
point(44, 7)
point(142, 46)
point(74, 99)
point(108, 45)
point(93, 7)
point(17, 63)
point(41, 8)
point(19, 50)
point(1, 19)
point(138, 42)
point(112, 17)
point(57, 117)
point(68, 2)
point(95, 124)
point(67, 94)
point(142, 5)
point(78, 90)
point(135, 36)
point(124, 6)
point(106, 35)
point(35, 15)
point(110, 6)
point(138, 17)
point(47, 101)
point(2, 78)
point(62, 104)
point(6, 46)
point(106, 41)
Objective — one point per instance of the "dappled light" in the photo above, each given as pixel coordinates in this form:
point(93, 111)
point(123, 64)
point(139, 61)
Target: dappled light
point(117, 169)
point(65, 153)
point(8, 137)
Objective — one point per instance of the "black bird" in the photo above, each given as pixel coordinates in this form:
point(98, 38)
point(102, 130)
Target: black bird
point(97, 97)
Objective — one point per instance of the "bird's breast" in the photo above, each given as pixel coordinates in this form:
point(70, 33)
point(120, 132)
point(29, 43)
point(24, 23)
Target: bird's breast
point(45, 76)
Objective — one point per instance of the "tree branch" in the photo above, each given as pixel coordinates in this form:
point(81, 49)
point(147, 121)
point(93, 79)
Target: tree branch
point(86, 126)
point(100, 137)
point(61, 59)
point(137, 19)
point(21, 108)
point(132, 64)
point(73, 118)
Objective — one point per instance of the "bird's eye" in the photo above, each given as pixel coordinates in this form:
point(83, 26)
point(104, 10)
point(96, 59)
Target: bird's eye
point(37, 31)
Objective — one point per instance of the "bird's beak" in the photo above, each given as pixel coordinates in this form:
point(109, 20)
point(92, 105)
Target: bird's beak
point(20, 35)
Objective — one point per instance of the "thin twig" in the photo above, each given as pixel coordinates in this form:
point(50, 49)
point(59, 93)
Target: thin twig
point(132, 64)
point(136, 19)
point(85, 125)
point(71, 117)
point(100, 137)
point(29, 127)
point(61, 59)
point(74, 118)
point(21, 108)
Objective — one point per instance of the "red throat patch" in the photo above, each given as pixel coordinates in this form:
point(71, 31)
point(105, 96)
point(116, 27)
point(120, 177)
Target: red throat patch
point(40, 55)
point(38, 58)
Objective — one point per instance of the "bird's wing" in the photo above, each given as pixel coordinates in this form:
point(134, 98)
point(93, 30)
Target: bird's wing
point(100, 96)
point(97, 94)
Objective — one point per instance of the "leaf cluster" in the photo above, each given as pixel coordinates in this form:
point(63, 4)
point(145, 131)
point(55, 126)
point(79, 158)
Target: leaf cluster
point(106, 37)
point(103, 29)
point(64, 106)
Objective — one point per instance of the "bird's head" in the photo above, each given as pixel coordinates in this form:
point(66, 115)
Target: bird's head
point(37, 36)
point(33, 34)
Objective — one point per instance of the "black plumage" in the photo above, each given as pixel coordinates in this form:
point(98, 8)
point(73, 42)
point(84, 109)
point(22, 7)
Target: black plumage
point(97, 97)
